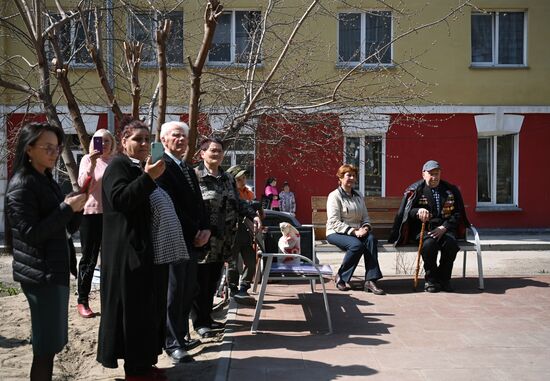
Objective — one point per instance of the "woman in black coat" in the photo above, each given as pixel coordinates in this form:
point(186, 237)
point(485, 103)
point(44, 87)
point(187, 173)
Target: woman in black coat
point(130, 326)
point(39, 217)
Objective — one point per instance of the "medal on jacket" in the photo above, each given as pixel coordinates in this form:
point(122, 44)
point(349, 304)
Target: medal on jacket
point(449, 205)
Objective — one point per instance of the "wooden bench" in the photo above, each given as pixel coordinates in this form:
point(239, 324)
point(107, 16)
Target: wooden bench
point(382, 212)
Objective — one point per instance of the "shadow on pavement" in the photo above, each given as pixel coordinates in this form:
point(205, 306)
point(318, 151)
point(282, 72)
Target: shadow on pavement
point(464, 285)
point(293, 369)
point(348, 320)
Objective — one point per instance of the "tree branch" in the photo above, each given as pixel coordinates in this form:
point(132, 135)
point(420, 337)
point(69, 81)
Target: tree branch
point(95, 52)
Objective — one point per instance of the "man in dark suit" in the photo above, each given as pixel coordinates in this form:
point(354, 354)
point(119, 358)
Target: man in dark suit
point(180, 182)
point(439, 205)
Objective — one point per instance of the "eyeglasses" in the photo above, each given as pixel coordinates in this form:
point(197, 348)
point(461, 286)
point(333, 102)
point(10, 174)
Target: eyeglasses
point(51, 150)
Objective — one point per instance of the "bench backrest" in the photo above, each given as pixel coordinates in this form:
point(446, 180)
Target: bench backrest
point(382, 211)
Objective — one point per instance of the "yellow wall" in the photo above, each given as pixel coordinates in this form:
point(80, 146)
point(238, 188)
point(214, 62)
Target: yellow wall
point(441, 73)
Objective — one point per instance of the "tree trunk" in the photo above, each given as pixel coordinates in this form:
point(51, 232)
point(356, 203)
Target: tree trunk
point(162, 36)
point(211, 15)
point(133, 61)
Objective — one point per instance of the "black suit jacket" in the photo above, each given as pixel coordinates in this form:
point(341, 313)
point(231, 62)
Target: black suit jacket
point(187, 198)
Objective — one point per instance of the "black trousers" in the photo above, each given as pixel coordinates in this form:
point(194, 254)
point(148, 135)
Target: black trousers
point(91, 229)
point(249, 265)
point(208, 276)
point(430, 247)
point(182, 289)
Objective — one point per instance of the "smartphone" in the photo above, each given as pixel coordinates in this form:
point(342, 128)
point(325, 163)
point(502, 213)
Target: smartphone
point(157, 150)
point(98, 143)
point(86, 186)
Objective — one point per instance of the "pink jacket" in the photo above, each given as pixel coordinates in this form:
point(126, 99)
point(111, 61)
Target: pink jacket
point(94, 204)
point(270, 190)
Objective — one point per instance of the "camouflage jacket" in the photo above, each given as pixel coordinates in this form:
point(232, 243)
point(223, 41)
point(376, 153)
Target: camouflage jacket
point(222, 202)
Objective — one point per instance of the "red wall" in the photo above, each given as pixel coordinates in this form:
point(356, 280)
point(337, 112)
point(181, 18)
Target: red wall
point(534, 179)
point(305, 152)
point(449, 139)
point(452, 140)
point(14, 122)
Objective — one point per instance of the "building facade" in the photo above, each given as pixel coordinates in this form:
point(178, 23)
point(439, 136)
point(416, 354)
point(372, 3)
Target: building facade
point(466, 86)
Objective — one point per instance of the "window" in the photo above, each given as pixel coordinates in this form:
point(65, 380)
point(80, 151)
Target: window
point(497, 170)
point(365, 37)
point(499, 38)
point(72, 40)
point(236, 38)
point(241, 152)
point(366, 154)
point(143, 28)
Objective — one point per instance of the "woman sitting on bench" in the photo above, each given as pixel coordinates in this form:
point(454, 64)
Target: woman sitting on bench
point(348, 228)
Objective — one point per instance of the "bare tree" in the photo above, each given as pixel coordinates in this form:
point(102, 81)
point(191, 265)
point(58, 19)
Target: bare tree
point(211, 16)
point(35, 35)
point(287, 85)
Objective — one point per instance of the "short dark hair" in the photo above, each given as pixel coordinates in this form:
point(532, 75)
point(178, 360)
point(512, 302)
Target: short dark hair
point(28, 135)
point(270, 180)
point(205, 143)
point(129, 125)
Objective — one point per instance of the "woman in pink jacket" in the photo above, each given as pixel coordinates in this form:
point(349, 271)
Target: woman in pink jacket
point(92, 165)
point(271, 193)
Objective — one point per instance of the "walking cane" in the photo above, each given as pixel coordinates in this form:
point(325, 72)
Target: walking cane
point(417, 270)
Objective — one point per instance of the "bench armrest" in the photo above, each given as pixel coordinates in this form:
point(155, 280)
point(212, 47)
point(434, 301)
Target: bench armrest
point(477, 240)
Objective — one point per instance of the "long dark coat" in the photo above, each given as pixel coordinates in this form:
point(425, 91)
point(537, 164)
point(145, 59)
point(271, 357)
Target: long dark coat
point(129, 314)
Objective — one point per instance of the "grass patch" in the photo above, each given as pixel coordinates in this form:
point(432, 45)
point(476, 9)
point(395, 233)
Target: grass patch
point(7, 290)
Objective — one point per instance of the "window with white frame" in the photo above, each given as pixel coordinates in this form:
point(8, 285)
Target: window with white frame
point(366, 153)
point(236, 38)
point(72, 39)
point(499, 38)
point(241, 152)
point(497, 170)
point(365, 37)
point(142, 28)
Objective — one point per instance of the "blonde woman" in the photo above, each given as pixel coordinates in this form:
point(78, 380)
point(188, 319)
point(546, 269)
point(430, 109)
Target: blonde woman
point(92, 166)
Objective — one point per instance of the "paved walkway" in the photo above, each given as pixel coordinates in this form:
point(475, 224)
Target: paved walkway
point(499, 334)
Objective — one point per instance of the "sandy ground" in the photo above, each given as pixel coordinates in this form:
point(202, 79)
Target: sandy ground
point(77, 360)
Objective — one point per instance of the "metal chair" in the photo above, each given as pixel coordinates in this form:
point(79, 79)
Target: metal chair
point(306, 270)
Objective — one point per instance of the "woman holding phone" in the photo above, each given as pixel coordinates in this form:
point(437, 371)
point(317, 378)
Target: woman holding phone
point(90, 176)
point(39, 218)
point(133, 300)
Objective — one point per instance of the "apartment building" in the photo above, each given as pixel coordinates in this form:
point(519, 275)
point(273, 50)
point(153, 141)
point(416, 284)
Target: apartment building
point(383, 85)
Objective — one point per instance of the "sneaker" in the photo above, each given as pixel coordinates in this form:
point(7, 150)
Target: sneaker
point(431, 287)
point(207, 332)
